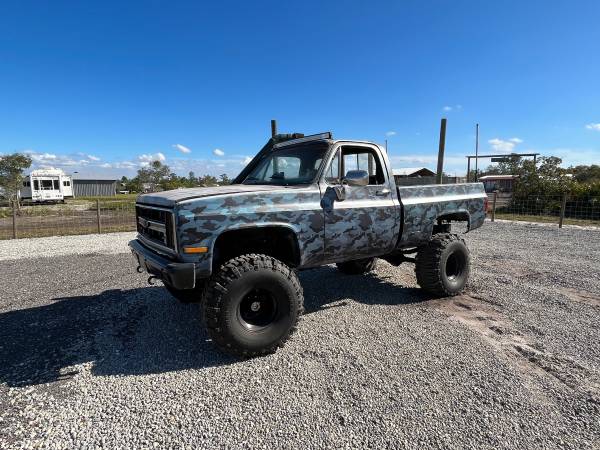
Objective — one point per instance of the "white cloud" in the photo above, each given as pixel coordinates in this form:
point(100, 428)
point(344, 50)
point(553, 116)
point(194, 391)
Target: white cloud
point(93, 158)
point(41, 157)
point(218, 152)
point(593, 126)
point(452, 108)
point(146, 159)
point(390, 133)
point(246, 161)
point(182, 148)
point(106, 166)
point(504, 145)
point(124, 165)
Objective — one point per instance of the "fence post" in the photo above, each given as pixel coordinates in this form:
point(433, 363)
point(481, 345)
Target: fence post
point(494, 205)
point(14, 219)
point(563, 206)
point(98, 214)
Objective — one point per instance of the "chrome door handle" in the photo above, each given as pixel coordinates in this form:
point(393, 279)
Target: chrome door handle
point(383, 192)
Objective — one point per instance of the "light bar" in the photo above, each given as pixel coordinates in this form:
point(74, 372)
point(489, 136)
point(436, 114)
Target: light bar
point(312, 137)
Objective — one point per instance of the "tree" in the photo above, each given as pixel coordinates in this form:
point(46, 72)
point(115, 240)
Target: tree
point(586, 174)
point(208, 180)
point(11, 174)
point(224, 179)
point(154, 174)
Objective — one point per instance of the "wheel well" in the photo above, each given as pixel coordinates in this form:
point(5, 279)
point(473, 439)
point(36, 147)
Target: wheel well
point(443, 224)
point(279, 242)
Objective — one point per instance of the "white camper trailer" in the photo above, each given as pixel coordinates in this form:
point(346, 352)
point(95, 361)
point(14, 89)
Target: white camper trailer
point(47, 185)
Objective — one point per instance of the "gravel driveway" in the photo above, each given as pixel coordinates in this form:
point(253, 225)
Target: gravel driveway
point(91, 356)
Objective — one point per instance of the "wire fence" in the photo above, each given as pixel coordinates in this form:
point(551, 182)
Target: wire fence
point(99, 216)
point(106, 216)
point(564, 209)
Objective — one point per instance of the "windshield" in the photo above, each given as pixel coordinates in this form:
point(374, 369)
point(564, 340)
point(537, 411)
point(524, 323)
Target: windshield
point(296, 164)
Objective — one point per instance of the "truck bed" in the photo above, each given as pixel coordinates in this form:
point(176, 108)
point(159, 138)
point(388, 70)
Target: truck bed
point(423, 205)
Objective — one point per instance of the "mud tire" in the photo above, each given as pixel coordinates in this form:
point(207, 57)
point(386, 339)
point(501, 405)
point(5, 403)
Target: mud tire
point(231, 294)
point(442, 265)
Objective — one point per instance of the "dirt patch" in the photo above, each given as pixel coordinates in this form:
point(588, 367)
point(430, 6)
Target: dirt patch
point(579, 296)
point(522, 353)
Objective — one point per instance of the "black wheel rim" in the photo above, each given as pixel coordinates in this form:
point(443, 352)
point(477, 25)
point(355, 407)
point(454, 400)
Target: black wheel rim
point(455, 266)
point(257, 310)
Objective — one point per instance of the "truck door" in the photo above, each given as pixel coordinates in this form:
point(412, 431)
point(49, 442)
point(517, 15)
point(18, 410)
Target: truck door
point(365, 223)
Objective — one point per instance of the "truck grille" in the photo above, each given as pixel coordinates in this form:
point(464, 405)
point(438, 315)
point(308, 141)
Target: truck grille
point(156, 225)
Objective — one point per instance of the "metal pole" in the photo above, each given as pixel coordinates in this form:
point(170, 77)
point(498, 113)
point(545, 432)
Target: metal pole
point(14, 217)
point(273, 127)
point(563, 206)
point(386, 146)
point(440, 164)
point(468, 167)
point(98, 214)
point(476, 152)
point(494, 205)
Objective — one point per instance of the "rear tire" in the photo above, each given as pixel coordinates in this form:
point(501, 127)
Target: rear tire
point(252, 305)
point(358, 266)
point(187, 295)
point(442, 265)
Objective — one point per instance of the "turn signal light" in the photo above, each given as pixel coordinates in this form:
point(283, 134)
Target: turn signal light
point(189, 250)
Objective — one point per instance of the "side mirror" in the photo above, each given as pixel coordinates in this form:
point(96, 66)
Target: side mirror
point(356, 178)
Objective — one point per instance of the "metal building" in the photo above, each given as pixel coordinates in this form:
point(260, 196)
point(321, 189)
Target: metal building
point(94, 188)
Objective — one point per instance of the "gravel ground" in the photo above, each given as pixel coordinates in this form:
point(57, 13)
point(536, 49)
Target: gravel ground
point(113, 243)
point(91, 356)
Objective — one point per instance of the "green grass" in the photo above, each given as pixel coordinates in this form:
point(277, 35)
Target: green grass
point(544, 219)
point(118, 197)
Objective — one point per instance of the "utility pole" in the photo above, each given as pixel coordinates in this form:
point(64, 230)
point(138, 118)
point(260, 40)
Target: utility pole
point(440, 164)
point(385, 147)
point(476, 151)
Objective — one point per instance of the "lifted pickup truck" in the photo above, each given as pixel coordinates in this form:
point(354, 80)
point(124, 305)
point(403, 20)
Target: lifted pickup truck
point(301, 202)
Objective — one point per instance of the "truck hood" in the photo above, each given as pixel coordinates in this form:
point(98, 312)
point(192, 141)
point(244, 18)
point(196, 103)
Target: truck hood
point(170, 198)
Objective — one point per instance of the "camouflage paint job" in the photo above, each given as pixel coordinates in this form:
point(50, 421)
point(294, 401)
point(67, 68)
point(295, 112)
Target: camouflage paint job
point(368, 222)
point(422, 205)
point(199, 222)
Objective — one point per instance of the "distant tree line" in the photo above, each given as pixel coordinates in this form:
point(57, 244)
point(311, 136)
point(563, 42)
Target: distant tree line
point(541, 185)
point(546, 176)
point(158, 177)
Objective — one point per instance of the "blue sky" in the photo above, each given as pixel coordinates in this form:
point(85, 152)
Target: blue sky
point(103, 87)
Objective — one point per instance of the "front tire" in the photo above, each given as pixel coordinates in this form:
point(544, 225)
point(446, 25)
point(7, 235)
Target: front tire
point(442, 265)
point(358, 266)
point(252, 305)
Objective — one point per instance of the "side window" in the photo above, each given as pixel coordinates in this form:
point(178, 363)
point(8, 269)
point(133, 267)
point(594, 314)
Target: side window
point(360, 158)
point(36, 185)
point(66, 183)
point(332, 174)
point(56, 185)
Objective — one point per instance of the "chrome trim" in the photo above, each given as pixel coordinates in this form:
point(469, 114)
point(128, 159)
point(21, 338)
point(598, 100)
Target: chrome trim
point(171, 211)
point(153, 225)
point(163, 250)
